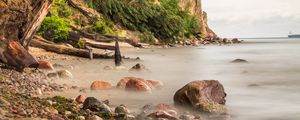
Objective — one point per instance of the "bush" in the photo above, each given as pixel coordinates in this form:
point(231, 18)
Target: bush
point(55, 28)
point(147, 37)
point(61, 8)
point(101, 27)
point(80, 44)
point(166, 21)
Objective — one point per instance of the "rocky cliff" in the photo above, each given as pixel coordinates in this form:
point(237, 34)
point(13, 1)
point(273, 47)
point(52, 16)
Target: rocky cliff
point(195, 8)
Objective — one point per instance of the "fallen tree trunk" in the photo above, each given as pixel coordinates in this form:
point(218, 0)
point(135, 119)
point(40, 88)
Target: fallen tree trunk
point(60, 49)
point(100, 46)
point(105, 38)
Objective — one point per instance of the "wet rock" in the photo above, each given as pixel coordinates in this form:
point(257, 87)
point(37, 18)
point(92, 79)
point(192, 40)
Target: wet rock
point(137, 85)
point(155, 83)
point(95, 105)
point(138, 67)
point(45, 65)
point(162, 115)
point(100, 85)
point(235, 40)
point(122, 109)
point(53, 75)
point(108, 68)
point(206, 95)
point(253, 85)
point(80, 99)
point(239, 61)
point(65, 74)
point(122, 83)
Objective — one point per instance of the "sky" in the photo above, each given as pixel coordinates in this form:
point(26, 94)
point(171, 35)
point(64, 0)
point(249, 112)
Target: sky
point(253, 18)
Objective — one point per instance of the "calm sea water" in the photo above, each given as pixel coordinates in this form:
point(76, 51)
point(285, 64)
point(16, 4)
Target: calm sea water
point(273, 69)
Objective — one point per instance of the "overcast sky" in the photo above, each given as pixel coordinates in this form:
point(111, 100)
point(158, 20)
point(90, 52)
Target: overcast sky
point(253, 18)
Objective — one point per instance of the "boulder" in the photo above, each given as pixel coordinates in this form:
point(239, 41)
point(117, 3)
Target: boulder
point(122, 83)
point(65, 74)
point(137, 85)
point(205, 95)
point(155, 83)
point(235, 40)
point(45, 65)
point(95, 105)
point(239, 61)
point(80, 99)
point(100, 85)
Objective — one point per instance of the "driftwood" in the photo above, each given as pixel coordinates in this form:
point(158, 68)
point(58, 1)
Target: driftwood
point(118, 56)
point(105, 38)
point(61, 49)
point(100, 46)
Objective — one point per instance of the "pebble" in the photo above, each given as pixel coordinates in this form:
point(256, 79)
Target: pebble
point(95, 117)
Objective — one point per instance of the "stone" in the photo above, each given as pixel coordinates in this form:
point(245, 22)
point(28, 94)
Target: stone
point(155, 83)
point(100, 85)
point(122, 83)
point(81, 118)
point(162, 115)
point(122, 109)
point(53, 75)
point(95, 105)
point(95, 117)
point(138, 67)
point(235, 40)
point(239, 61)
point(65, 74)
point(80, 99)
point(205, 95)
point(68, 112)
point(108, 68)
point(187, 117)
point(45, 65)
point(137, 85)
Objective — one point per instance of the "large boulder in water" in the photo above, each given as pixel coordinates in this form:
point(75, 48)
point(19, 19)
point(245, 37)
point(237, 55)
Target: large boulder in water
point(100, 85)
point(137, 85)
point(206, 95)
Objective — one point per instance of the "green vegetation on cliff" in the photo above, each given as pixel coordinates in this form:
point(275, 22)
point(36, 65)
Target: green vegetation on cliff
point(166, 20)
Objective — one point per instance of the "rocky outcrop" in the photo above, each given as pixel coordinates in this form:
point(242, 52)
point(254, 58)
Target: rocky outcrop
point(195, 8)
point(206, 95)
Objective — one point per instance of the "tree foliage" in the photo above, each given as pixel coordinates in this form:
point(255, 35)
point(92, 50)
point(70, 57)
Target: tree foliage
point(167, 21)
point(55, 28)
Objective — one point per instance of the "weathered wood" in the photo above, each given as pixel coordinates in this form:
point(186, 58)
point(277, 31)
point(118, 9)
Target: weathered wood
point(40, 11)
point(100, 46)
point(105, 38)
point(61, 49)
point(118, 56)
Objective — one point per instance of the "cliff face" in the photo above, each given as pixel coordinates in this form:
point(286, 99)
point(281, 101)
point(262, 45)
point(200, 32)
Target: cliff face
point(195, 8)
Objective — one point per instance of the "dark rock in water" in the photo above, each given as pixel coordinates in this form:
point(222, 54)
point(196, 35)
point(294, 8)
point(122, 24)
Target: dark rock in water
point(122, 113)
point(235, 40)
point(118, 56)
point(138, 67)
point(206, 95)
point(239, 61)
point(95, 105)
point(53, 75)
point(253, 85)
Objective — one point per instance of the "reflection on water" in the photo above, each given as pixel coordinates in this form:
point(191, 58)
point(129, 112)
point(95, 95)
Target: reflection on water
point(266, 88)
